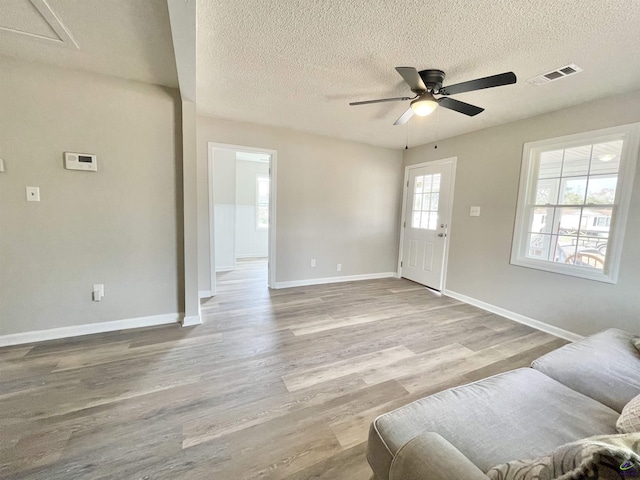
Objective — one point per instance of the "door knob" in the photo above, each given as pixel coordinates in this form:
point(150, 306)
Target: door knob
point(441, 234)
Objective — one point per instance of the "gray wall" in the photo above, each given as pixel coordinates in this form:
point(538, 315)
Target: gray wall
point(338, 201)
point(120, 226)
point(488, 175)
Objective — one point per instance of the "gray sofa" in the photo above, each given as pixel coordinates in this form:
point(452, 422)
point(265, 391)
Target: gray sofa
point(571, 393)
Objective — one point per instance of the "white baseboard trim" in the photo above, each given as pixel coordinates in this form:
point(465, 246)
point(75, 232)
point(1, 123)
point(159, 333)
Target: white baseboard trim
point(205, 293)
point(516, 317)
point(322, 281)
point(87, 329)
point(251, 255)
point(191, 321)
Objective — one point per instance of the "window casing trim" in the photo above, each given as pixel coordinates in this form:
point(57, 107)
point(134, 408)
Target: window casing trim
point(630, 134)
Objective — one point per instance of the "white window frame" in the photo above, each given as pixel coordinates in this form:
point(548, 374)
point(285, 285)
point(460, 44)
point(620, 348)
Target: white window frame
point(630, 134)
point(259, 177)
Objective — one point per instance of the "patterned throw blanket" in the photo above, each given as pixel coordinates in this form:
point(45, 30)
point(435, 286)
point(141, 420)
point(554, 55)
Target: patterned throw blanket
point(605, 457)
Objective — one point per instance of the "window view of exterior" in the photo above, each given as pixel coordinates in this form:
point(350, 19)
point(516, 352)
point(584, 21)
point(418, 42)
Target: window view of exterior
point(573, 202)
point(571, 214)
point(262, 201)
point(426, 194)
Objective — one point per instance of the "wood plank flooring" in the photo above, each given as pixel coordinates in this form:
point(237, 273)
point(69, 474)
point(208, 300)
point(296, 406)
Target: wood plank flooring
point(276, 384)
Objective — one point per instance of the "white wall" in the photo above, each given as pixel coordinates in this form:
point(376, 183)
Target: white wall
point(250, 241)
point(224, 199)
point(337, 201)
point(487, 175)
point(120, 226)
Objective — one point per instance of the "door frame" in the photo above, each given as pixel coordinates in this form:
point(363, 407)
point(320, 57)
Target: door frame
point(271, 249)
point(453, 161)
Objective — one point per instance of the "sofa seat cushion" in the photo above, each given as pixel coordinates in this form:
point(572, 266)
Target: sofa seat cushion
point(518, 414)
point(604, 366)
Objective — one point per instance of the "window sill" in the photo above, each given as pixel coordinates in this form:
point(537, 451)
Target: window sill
point(567, 270)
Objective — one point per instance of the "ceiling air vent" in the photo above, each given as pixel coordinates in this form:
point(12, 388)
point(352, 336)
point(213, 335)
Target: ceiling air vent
point(555, 74)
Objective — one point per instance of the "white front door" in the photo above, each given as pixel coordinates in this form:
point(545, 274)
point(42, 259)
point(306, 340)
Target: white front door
point(426, 222)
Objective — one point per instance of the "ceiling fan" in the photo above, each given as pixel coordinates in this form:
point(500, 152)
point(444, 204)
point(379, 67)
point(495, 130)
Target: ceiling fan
point(427, 83)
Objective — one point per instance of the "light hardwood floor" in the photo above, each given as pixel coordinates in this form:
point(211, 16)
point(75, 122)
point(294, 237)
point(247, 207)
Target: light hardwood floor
point(275, 385)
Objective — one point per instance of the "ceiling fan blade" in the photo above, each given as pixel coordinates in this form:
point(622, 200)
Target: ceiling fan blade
point(381, 100)
point(412, 77)
point(404, 118)
point(479, 83)
point(458, 106)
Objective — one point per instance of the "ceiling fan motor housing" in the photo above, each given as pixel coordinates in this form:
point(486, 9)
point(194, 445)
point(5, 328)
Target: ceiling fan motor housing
point(432, 79)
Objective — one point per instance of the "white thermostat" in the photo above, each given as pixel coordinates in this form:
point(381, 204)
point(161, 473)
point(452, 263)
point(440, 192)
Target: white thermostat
point(80, 161)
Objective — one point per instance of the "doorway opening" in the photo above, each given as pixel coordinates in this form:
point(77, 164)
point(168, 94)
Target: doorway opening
point(241, 216)
point(426, 222)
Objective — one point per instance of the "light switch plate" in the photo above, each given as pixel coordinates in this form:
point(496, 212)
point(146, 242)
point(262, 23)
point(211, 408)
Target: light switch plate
point(474, 212)
point(33, 194)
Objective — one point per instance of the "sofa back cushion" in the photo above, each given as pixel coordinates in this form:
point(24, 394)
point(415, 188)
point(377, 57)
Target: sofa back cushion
point(604, 366)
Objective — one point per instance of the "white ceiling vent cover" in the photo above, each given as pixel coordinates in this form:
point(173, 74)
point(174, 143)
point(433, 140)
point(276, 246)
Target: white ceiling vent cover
point(557, 74)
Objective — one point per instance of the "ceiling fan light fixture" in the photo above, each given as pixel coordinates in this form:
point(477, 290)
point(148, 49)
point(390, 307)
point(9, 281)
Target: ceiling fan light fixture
point(424, 105)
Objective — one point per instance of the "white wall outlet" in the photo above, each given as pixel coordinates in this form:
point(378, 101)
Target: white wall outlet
point(474, 212)
point(98, 292)
point(313, 262)
point(1, 165)
point(33, 194)
point(339, 268)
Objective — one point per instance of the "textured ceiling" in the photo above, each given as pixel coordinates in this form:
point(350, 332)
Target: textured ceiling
point(124, 38)
point(297, 63)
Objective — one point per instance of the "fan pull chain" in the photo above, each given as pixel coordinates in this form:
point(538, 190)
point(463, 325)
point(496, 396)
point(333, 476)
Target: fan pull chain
point(406, 145)
point(437, 127)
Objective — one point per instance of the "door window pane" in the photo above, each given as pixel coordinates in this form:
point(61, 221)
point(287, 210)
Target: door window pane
point(426, 198)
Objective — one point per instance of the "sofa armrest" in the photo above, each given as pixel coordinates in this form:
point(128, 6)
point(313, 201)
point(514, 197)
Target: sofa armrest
point(431, 457)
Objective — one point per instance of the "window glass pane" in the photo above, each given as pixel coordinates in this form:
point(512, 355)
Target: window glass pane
point(424, 220)
point(428, 179)
point(541, 220)
point(576, 161)
point(573, 191)
point(419, 184)
point(564, 248)
point(547, 191)
point(433, 220)
point(263, 216)
point(435, 197)
point(596, 222)
point(435, 187)
point(538, 246)
point(569, 221)
point(606, 157)
point(425, 201)
point(602, 190)
point(415, 220)
point(550, 164)
point(417, 202)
